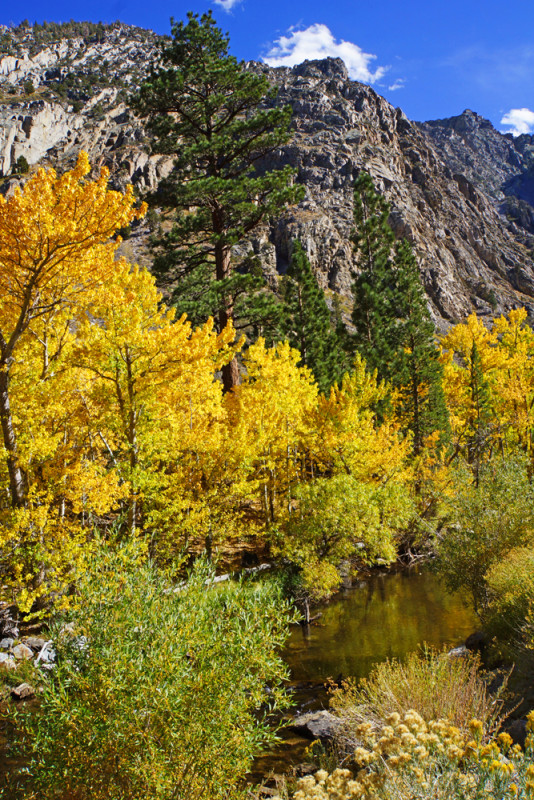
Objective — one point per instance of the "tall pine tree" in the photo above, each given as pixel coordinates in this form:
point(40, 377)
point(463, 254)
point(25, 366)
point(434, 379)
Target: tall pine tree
point(393, 330)
point(416, 369)
point(375, 295)
point(307, 322)
point(209, 112)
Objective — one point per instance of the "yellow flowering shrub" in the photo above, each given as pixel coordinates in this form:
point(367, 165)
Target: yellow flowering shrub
point(409, 759)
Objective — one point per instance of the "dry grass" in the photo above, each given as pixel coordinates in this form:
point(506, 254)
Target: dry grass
point(432, 683)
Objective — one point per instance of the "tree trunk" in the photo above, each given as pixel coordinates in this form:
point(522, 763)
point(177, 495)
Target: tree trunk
point(17, 480)
point(417, 432)
point(230, 372)
point(132, 442)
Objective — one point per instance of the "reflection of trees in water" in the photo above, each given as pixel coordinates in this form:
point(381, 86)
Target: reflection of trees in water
point(384, 617)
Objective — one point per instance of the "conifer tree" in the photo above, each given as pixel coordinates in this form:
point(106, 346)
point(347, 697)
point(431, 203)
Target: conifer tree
point(210, 112)
point(374, 312)
point(416, 367)
point(307, 322)
point(393, 329)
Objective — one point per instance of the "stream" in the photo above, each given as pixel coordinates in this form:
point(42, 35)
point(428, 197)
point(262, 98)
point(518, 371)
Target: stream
point(382, 616)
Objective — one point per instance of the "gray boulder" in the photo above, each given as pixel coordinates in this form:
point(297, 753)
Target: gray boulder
point(35, 642)
point(320, 725)
point(22, 652)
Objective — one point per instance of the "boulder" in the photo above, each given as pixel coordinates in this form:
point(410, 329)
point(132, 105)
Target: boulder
point(477, 641)
point(23, 692)
point(47, 655)
point(5, 644)
point(306, 768)
point(518, 731)
point(22, 652)
point(458, 652)
point(320, 725)
point(35, 642)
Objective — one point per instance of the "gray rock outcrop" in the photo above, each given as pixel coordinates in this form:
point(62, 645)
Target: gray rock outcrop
point(500, 165)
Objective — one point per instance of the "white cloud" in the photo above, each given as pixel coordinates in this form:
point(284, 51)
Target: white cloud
point(521, 121)
point(398, 84)
point(227, 4)
point(317, 42)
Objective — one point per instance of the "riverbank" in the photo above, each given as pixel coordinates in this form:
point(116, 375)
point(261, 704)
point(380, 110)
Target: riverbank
point(386, 614)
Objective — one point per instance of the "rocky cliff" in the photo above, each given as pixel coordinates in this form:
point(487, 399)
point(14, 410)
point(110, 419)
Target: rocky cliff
point(498, 164)
point(447, 188)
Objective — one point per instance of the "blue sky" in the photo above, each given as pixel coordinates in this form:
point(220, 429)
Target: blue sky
point(433, 58)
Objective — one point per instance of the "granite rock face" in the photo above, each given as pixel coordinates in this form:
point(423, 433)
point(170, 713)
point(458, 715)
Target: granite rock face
point(451, 186)
point(469, 258)
point(498, 164)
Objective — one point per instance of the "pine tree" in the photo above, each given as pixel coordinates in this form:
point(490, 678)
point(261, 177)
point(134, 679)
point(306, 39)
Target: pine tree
point(393, 329)
point(307, 322)
point(416, 367)
point(257, 310)
point(210, 113)
point(374, 312)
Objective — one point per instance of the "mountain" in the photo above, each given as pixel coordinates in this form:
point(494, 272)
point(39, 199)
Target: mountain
point(498, 164)
point(460, 191)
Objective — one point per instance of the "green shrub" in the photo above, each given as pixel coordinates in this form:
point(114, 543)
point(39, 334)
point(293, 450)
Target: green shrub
point(337, 518)
point(21, 166)
point(431, 683)
point(511, 595)
point(484, 524)
point(29, 88)
point(164, 697)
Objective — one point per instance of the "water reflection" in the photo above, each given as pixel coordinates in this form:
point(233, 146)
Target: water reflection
point(384, 616)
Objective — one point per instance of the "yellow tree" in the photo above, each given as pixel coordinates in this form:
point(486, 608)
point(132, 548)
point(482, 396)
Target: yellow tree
point(54, 245)
point(361, 497)
point(472, 359)
point(55, 248)
point(272, 422)
point(349, 439)
point(153, 400)
point(514, 381)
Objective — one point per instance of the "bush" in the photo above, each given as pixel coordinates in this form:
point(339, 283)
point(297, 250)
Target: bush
point(511, 595)
point(163, 697)
point(21, 166)
point(485, 523)
point(339, 517)
point(29, 88)
point(431, 683)
point(409, 759)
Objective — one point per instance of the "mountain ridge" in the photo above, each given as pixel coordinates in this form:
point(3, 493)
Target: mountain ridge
point(458, 188)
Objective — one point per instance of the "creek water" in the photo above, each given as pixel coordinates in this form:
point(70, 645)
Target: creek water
point(382, 616)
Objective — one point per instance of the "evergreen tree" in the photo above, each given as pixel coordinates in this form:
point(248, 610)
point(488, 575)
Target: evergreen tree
point(256, 310)
point(210, 112)
point(416, 367)
point(393, 329)
point(374, 311)
point(307, 322)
